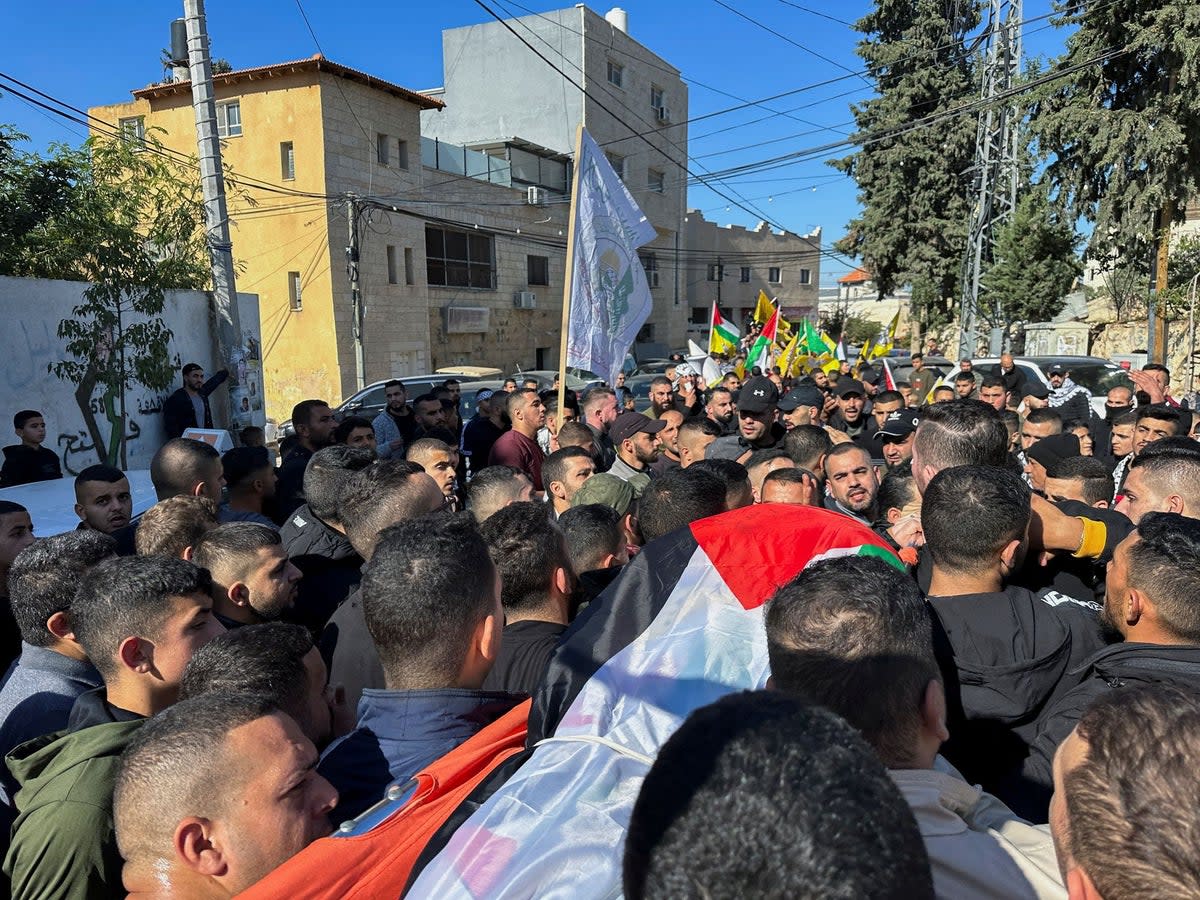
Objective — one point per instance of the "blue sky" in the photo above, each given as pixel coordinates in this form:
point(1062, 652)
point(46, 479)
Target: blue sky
point(90, 52)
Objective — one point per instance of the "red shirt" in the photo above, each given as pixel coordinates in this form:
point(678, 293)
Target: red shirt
point(514, 449)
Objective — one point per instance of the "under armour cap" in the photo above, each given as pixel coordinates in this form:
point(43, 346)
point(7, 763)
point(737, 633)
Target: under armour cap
point(758, 395)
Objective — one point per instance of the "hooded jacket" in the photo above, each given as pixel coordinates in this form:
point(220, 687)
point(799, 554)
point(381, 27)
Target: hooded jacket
point(64, 845)
point(1006, 658)
point(1114, 667)
point(331, 568)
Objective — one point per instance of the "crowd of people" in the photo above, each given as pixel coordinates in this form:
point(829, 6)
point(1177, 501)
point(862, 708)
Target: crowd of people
point(1005, 709)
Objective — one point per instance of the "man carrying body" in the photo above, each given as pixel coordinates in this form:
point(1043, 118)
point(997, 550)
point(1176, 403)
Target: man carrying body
point(757, 428)
point(252, 579)
point(564, 472)
point(851, 482)
point(668, 443)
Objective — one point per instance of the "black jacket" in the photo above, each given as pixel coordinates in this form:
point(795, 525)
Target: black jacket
point(25, 465)
point(1014, 379)
point(289, 488)
point(1114, 667)
point(178, 413)
point(349, 651)
point(1006, 658)
point(331, 568)
point(524, 654)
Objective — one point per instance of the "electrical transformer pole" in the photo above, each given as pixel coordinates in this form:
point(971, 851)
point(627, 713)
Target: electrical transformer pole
point(997, 174)
point(356, 304)
point(212, 181)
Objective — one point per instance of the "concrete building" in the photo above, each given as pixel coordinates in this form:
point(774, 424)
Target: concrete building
point(730, 264)
point(449, 254)
point(502, 99)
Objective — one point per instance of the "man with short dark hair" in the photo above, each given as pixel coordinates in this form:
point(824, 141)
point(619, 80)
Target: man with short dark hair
point(315, 539)
point(678, 498)
point(695, 436)
point(188, 407)
point(802, 405)
point(1153, 423)
point(1082, 478)
point(850, 418)
point(662, 397)
point(564, 471)
point(738, 491)
point(921, 379)
point(761, 795)
point(994, 393)
point(314, 423)
point(139, 620)
point(1007, 653)
point(483, 429)
point(279, 662)
point(808, 445)
point(791, 485)
point(853, 634)
point(389, 491)
point(720, 410)
point(668, 443)
point(1163, 477)
point(181, 838)
point(958, 433)
point(395, 424)
point(53, 669)
point(595, 546)
point(1117, 818)
point(1070, 400)
point(103, 501)
point(494, 487)
point(760, 464)
point(355, 431)
point(1039, 424)
point(252, 578)
point(518, 447)
point(757, 428)
point(29, 461)
point(184, 467)
point(431, 596)
point(537, 591)
point(440, 462)
point(851, 482)
point(965, 386)
point(250, 479)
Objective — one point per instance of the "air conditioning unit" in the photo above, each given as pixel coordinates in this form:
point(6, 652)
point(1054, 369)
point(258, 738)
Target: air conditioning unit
point(536, 196)
point(525, 299)
point(664, 114)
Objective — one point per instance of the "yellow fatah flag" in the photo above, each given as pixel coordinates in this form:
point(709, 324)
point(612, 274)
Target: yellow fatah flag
point(788, 359)
point(884, 348)
point(764, 309)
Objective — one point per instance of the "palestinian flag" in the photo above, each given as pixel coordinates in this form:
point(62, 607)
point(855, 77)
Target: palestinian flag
point(723, 336)
point(679, 628)
point(889, 380)
point(760, 353)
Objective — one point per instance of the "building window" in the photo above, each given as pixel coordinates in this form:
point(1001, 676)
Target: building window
point(715, 272)
point(460, 258)
point(408, 266)
point(656, 97)
point(650, 264)
point(382, 149)
point(805, 276)
point(229, 119)
point(402, 154)
point(773, 275)
point(287, 161)
point(700, 315)
point(618, 163)
point(539, 270)
point(616, 74)
point(133, 129)
point(655, 181)
point(393, 269)
point(744, 278)
point(294, 291)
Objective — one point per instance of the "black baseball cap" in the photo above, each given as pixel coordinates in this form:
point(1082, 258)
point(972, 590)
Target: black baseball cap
point(847, 386)
point(626, 425)
point(804, 395)
point(1057, 369)
point(758, 395)
point(900, 423)
point(1036, 389)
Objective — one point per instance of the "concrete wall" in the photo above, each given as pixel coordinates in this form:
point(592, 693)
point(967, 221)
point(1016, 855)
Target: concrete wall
point(33, 308)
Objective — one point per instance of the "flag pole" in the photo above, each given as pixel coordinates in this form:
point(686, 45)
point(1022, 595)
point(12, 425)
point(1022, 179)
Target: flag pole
point(568, 277)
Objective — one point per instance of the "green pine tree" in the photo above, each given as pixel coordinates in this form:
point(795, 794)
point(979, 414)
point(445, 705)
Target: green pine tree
point(914, 187)
point(1122, 128)
point(1034, 264)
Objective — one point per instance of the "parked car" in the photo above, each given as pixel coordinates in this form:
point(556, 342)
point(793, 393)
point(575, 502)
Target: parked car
point(902, 369)
point(475, 373)
point(1098, 375)
point(545, 378)
point(639, 386)
point(370, 401)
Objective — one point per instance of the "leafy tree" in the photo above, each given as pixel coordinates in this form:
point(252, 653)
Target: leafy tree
point(126, 218)
point(1034, 265)
point(1122, 130)
point(914, 187)
point(853, 328)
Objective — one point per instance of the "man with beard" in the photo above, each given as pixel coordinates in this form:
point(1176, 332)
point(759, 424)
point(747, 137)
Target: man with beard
point(661, 396)
point(720, 412)
point(757, 428)
point(851, 401)
point(896, 437)
point(801, 405)
point(668, 443)
point(314, 424)
point(599, 407)
point(636, 441)
point(395, 424)
point(253, 580)
point(1073, 401)
point(851, 481)
point(1152, 600)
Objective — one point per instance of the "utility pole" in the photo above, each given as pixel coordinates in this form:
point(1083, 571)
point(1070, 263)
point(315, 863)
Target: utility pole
point(355, 290)
point(997, 172)
point(212, 182)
